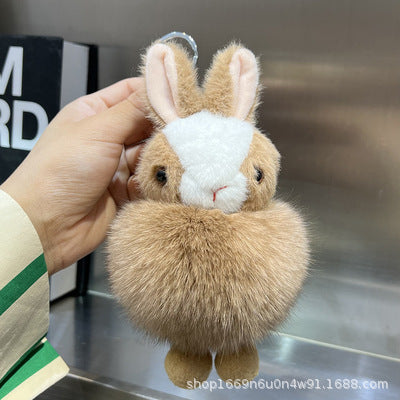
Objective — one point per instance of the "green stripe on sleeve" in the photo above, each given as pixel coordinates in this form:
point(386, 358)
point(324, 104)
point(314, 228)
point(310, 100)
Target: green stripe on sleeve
point(37, 359)
point(21, 283)
point(20, 362)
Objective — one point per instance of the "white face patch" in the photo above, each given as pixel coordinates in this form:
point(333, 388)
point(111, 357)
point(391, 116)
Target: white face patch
point(211, 149)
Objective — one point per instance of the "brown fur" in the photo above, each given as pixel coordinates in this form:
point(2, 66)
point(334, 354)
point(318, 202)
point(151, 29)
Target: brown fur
point(191, 98)
point(217, 85)
point(218, 89)
point(158, 153)
point(241, 366)
point(263, 155)
point(183, 369)
point(201, 279)
point(217, 92)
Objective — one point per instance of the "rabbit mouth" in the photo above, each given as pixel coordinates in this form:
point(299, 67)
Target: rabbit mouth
point(228, 198)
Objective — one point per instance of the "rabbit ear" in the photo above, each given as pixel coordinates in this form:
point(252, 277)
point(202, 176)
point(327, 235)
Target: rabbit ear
point(162, 82)
point(171, 83)
point(231, 84)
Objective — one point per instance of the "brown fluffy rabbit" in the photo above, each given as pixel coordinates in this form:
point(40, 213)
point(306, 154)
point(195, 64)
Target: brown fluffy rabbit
point(209, 261)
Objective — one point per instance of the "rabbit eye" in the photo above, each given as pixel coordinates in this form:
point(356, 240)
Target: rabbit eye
point(259, 175)
point(161, 175)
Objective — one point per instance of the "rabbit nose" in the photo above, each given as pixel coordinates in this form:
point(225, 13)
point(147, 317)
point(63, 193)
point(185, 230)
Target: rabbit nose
point(215, 193)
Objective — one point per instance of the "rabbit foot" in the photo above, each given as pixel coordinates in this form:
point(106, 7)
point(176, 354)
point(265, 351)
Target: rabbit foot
point(185, 369)
point(239, 366)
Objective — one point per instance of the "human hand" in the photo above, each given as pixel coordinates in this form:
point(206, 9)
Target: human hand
point(80, 171)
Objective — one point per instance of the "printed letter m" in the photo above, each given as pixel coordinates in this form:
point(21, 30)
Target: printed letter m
point(12, 64)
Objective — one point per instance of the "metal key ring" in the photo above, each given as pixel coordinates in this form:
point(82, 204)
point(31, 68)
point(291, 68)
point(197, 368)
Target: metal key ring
point(185, 36)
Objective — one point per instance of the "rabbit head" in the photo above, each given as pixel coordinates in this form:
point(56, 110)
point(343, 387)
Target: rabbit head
point(206, 151)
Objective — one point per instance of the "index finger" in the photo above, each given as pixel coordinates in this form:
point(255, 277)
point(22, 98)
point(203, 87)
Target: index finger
point(124, 123)
point(114, 94)
point(101, 100)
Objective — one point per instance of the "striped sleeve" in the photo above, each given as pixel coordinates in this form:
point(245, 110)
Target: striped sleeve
point(28, 363)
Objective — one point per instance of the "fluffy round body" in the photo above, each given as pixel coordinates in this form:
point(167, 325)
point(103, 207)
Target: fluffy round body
point(209, 260)
point(204, 280)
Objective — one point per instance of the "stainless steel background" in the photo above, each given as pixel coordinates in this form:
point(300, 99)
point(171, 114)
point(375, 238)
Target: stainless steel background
point(332, 107)
point(92, 335)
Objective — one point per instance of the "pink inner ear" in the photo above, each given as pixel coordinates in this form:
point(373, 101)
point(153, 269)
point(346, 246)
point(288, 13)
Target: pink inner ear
point(162, 82)
point(244, 72)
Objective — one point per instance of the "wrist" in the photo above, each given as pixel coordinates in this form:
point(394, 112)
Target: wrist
point(33, 208)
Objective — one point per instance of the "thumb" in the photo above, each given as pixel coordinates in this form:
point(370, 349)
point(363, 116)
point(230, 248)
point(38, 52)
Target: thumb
point(124, 123)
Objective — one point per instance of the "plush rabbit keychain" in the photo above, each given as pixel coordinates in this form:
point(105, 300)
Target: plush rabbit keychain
point(208, 261)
